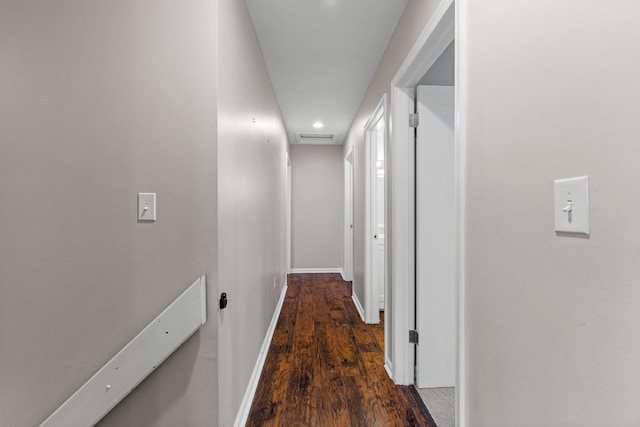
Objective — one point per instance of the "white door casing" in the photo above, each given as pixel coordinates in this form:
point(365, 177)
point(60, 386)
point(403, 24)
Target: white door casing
point(435, 38)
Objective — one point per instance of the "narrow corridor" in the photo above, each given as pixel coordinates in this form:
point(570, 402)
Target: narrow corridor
point(325, 366)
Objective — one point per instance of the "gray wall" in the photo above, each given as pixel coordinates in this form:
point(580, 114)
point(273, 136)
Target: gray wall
point(251, 194)
point(553, 322)
point(317, 206)
point(99, 101)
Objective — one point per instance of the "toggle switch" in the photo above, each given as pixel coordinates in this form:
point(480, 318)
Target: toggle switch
point(569, 211)
point(572, 205)
point(146, 206)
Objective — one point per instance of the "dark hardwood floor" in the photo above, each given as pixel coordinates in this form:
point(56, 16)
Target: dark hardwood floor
point(325, 367)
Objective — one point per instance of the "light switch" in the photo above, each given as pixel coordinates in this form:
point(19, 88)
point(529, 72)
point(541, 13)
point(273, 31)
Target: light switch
point(146, 206)
point(571, 207)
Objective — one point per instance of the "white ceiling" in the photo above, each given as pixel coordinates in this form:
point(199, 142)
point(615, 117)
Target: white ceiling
point(321, 56)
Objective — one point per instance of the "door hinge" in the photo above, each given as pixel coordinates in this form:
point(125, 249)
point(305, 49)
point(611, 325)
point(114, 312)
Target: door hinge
point(413, 337)
point(414, 120)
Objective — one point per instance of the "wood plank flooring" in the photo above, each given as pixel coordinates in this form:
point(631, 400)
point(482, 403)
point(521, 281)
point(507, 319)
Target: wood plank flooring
point(325, 367)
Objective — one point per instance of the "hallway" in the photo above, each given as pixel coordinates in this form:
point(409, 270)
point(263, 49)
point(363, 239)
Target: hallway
point(325, 366)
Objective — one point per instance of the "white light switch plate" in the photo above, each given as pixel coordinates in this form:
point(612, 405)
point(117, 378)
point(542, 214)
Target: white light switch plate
point(571, 207)
point(146, 206)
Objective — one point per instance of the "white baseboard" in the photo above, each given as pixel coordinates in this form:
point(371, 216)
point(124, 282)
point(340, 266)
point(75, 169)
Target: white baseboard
point(318, 270)
point(438, 385)
point(354, 297)
point(249, 394)
point(389, 368)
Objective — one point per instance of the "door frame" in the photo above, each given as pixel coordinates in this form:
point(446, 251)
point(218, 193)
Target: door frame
point(446, 25)
point(288, 211)
point(371, 302)
point(348, 216)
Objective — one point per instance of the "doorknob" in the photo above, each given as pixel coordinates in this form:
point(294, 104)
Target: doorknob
point(375, 236)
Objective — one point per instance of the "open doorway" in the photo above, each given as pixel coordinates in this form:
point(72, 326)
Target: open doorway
point(435, 224)
point(437, 212)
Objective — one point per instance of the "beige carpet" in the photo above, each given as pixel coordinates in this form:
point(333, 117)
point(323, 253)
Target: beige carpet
point(441, 404)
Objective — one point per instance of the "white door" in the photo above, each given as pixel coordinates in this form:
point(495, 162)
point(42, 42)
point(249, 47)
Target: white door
point(374, 271)
point(348, 216)
point(436, 289)
point(376, 188)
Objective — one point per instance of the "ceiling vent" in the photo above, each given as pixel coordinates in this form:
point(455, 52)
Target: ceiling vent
point(316, 138)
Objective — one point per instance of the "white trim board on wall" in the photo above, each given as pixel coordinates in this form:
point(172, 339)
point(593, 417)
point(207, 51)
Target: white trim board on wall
point(137, 360)
point(250, 392)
